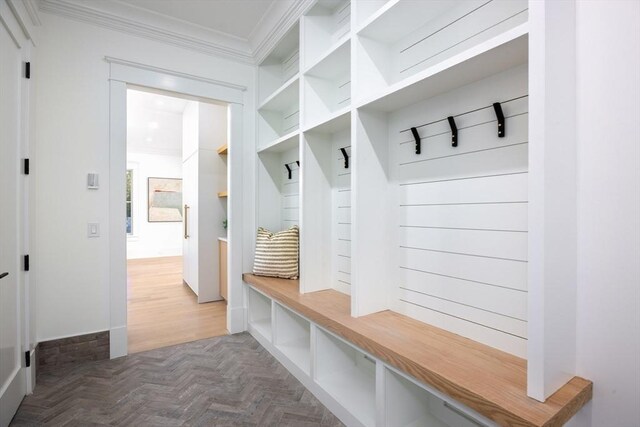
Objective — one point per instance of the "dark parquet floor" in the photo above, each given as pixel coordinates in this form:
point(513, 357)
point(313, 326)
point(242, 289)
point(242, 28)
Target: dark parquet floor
point(224, 381)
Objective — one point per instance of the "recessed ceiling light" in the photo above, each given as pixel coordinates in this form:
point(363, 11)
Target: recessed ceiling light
point(153, 125)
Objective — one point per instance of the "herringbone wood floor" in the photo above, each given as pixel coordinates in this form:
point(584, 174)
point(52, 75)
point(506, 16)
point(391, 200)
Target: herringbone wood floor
point(224, 381)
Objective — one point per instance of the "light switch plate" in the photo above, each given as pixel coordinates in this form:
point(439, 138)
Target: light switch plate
point(93, 229)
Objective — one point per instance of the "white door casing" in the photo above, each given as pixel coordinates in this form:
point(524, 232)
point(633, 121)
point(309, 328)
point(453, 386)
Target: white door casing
point(123, 73)
point(12, 374)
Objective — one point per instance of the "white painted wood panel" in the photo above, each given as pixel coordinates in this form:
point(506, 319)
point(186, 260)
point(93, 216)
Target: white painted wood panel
point(462, 212)
point(341, 213)
point(494, 216)
point(508, 302)
point(495, 244)
point(497, 272)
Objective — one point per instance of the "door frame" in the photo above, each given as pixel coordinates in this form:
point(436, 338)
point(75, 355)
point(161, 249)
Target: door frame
point(123, 73)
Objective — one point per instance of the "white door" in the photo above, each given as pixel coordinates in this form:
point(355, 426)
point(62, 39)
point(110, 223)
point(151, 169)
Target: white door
point(12, 376)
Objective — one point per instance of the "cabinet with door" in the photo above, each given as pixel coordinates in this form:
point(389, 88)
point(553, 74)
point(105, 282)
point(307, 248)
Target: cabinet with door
point(204, 128)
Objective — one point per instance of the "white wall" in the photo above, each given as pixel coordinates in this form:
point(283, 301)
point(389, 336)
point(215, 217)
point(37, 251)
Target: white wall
point(72, 271)
point(608, 323)
point(152, 239)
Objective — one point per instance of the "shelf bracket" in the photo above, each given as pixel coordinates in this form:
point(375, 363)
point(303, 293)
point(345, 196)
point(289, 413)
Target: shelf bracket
point(454, 131)
point(288, 169)
point(416, 136)
point(346, 157)
point(500, 115)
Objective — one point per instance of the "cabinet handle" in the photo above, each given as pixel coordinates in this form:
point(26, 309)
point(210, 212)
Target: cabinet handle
point(186, 221)
point(3, 275)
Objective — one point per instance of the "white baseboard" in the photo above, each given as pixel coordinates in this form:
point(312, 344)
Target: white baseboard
point(235, 320)
point(118, 342)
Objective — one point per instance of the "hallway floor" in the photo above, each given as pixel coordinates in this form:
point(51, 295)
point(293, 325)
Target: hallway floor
point(163, 311)
point(223, 381)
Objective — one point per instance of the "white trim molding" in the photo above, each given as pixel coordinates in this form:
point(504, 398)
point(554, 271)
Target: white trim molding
point(140, 22)
point(123, 17)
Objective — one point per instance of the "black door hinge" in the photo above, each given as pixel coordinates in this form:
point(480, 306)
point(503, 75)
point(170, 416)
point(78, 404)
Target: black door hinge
point(27, 359)
point(27, 70)
point(26, 263)
point(25, 166)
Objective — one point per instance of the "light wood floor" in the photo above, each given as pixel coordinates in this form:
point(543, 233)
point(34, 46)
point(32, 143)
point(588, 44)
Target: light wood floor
point(163, 311)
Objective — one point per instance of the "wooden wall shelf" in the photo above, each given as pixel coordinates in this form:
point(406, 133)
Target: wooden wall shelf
point(490, 381)
point(222, 194)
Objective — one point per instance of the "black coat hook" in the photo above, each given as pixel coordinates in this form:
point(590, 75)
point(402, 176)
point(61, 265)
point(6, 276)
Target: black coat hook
point(454, 131)
point(416, 136)
point(298, 163)
point(288, 169)
point(500, 115)
point(346, 157)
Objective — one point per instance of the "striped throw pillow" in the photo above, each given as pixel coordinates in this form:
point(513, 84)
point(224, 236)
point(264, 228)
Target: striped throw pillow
point(277, 253)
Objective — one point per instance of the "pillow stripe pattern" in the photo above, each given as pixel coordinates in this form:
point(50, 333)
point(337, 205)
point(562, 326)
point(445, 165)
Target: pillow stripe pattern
point(277, 253)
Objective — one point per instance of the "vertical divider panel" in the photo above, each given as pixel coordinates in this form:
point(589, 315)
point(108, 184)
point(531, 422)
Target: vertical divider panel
point(371, 214)
point(315, 240)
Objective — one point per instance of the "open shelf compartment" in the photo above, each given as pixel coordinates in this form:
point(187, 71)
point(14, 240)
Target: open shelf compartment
point(348, 375)
point(278, 189)
point(293, 337)
point(326, 255)
point(408, 405)
point(259, 313)
point(279, 114)
point(327, 22)
point(431, 33)
point(282, 64)
point(327, 85)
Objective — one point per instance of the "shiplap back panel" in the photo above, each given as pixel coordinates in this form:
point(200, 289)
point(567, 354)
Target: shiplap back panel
point(290, 66)
point(341, 209)
point(290, 119)
point(341, 20)
point(452, 27)
point(462, 212)
point(290, 190)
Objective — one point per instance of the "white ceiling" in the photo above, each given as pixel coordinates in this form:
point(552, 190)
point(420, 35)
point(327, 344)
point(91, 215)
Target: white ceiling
point(154, 123)
point(235, 17)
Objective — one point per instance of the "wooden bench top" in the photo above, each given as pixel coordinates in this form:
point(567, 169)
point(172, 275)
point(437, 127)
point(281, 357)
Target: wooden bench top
point(490, 381)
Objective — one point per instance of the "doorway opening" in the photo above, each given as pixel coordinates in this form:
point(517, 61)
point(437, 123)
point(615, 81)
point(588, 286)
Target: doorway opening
point(176, 216)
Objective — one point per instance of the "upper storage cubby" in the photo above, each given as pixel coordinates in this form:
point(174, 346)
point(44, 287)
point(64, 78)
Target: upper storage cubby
point(325, 25)
point(280, 66)
point(404, 42)
point(327, 87)
point(279, 115)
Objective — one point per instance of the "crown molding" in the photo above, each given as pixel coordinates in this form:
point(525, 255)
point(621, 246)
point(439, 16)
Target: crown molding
point(281, 16)
point(128, 19)
point(26, 14)
point(120, 16)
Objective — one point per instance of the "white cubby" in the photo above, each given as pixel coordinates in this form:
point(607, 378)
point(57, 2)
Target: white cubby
point(292, 337)
point(408, 405)
point(279, 195)
point(259, 313)
point(407, 39)
point(279, 114)
point(280, 66)
point(325, 24)
point(327, 86)
point(326, 258)
point(348, 375)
